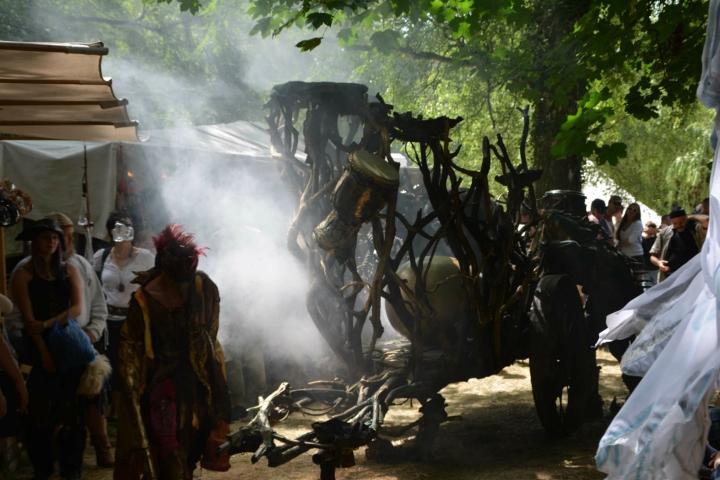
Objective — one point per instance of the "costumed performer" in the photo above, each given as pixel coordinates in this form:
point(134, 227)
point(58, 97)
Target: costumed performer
point(174, 405)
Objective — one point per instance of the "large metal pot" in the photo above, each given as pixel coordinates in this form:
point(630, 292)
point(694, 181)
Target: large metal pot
point(446, 299)
point(568, 201)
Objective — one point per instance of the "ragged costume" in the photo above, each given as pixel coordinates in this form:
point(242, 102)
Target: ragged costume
point(175, 405)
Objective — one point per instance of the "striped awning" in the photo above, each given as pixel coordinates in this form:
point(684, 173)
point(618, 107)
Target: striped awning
point(57, 91)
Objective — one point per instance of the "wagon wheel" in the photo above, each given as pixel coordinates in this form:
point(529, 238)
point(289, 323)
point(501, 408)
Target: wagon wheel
point(560, 355)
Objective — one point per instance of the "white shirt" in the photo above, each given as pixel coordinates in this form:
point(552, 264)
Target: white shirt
point(113, 277)
point(633, 234)
point(94, 311)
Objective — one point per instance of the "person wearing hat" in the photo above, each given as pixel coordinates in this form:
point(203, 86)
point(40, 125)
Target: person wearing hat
point(599, 211)
point(174, 406)
point(49, 290)
point(92, 321)
point(675, 246)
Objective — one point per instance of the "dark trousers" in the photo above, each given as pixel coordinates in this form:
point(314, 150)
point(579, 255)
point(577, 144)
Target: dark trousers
point(52, 402)
point(617, 349)
point(113, 329)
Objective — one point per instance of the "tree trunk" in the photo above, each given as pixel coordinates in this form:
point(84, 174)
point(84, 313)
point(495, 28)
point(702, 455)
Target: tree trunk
point(558, 174)
point(554, 20)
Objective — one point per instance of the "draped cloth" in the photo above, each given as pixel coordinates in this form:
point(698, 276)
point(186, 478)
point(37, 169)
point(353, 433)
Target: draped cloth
point(661, 431)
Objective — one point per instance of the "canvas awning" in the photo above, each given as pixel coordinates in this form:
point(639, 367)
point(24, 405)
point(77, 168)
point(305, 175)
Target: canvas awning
point(56, 91)
point(249, 140)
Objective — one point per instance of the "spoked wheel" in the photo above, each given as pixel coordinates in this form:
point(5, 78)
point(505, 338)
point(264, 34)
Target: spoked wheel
point(560, 356)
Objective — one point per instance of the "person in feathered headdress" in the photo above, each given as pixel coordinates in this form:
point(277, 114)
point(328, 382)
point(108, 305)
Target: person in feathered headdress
point(175, 403)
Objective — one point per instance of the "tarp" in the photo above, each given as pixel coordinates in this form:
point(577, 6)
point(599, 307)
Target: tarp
point(51, 173)
point(57, 91)
point(245, 139)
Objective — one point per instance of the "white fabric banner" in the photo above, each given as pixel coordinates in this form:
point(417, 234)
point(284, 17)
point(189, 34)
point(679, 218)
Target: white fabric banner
point(51, 173)
point(661, 431)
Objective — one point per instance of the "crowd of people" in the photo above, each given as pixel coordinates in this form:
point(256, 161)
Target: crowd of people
point(138, 303)
point(657, 250)
point(153, 317)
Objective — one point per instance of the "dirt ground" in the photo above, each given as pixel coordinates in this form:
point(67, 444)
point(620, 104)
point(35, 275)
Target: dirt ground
point(499, 437)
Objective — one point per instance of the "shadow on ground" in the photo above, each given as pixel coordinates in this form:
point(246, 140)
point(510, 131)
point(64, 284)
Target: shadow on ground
point(499, 438)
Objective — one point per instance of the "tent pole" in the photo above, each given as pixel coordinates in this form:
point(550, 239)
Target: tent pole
point(3, 271)
point(86, 189)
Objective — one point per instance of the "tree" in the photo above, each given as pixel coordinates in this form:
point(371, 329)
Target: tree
point(582, 73)
point(175, 68)
point(668, 157)
point(552, 53)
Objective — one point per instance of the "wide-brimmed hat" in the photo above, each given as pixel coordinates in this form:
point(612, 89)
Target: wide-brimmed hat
point(46, 224)
point(61, 218)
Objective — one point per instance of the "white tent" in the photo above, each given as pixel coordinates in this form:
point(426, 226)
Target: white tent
point(247, 140)
point(51, 171)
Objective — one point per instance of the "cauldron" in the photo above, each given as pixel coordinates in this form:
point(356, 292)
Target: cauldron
point(446, 300)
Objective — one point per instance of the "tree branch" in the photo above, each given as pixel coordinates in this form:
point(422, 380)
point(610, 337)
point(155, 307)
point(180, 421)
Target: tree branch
point(429, 56)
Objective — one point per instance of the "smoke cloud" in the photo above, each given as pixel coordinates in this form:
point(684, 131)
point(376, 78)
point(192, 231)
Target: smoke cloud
point(238, 208)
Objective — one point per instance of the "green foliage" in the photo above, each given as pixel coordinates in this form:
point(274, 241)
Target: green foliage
point(317, 20)
point(667, 157)
point(656, 42)
point(192, 6)
point(593, 111)
point(623, 77)
point(307, 45)
point(640, 105)
point(385, 41)
point(435, 89)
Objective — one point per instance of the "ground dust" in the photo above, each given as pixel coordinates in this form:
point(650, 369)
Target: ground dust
point(499, 438)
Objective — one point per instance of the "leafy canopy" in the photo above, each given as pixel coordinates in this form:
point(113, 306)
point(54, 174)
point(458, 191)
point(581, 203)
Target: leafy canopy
point(178, 68)
point(655, 45)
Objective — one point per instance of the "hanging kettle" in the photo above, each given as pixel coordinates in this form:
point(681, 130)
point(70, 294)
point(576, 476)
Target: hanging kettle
point(9, 213)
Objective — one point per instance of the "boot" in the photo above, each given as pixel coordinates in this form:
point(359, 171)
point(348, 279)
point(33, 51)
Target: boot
point(103, 452)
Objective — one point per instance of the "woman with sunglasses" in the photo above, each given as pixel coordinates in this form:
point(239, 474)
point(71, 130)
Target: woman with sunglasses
point(116, 267)
point(629, 235)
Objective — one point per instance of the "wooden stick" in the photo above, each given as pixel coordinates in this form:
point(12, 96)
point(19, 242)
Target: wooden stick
point(3, 271)
point(86, 191)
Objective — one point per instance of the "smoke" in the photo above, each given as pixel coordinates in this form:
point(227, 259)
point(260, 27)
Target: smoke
point(277, 60)
point(241, 211)
point(180, 70)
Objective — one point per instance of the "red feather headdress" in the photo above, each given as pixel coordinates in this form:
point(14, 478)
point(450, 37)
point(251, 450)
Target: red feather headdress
point(178, 243)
